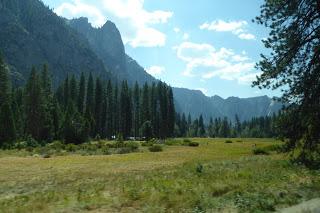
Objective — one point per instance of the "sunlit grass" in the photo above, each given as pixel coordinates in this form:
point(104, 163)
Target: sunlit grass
point(216, 176)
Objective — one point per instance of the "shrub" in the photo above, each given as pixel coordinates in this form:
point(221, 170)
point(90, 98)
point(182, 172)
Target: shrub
point(260, 151)
point(155, 148)
point(124, 150)
point(228, 141)
point(194, 144)
point(71, 147)
point(31, 142)
point(199, 168)
point(132, 145)
point(56, 145)
point(172, 142)
point(186, 140)
point(105, 150)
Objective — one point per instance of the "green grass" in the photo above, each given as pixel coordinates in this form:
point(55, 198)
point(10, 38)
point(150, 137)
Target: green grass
point(216, 176)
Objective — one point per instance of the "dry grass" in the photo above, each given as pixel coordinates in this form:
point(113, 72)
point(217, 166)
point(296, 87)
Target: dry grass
point(232, 179)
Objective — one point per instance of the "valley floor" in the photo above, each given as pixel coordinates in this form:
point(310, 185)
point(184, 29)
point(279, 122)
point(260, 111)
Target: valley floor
point(214, 177)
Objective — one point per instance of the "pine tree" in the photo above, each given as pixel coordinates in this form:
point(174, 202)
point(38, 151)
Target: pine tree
point(109, 106)
point(136, 109)
point(116, 106)
point(170, 113)
point(202, 130)
point(82, 93)
point(7, 125)
point(98, 107)
point(89, 114)
point(66, 92)
point(125, 110)
point(145, 104)
point(73, 89)
point(4, 82)
point(38, 118)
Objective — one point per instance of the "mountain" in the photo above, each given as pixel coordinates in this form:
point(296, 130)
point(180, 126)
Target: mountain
point(196, 103)
point(31, 34)
point(107, 43)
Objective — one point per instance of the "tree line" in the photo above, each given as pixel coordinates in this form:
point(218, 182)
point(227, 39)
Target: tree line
point(257, 127)
point(80, 109)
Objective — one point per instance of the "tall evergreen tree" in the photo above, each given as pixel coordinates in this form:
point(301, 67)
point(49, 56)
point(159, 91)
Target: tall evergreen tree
point(136, 110)
point(98, 106)
point(109, 106)
point(38, 118)
point(82, 93)
point(202, 130)
point(171, 113)
point(294, 66)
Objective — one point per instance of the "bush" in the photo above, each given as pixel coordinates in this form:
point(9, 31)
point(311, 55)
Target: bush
point(172, 142)
point(194, 144)
point(31, 142)
point(186, 140)
point(228, 141)
point(132, 145)
point(155, 148)
point(71, 147)
point(260, 151)
point(57, 145)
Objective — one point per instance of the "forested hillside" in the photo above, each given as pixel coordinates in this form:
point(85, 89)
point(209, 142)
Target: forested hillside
point(31, 34)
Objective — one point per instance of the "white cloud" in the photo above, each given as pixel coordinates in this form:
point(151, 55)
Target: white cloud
point(134, 22)
point(207, 62)
point(78, 8)
point(204, 91)
point(247, 36)
point(176, 30)
point(236, 27)
point(186, 36)
point(155, 70)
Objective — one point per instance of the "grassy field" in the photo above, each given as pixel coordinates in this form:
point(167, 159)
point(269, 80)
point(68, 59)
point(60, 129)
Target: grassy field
point(214, 177)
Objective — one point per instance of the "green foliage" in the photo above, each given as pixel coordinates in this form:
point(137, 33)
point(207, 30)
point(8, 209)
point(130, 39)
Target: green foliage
point(194, 144)
point(155, 148)
point(294, 66)
point(260, 151)
point(228, 141)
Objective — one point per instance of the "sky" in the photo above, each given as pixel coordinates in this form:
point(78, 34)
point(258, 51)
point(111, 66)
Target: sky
point(208, 45)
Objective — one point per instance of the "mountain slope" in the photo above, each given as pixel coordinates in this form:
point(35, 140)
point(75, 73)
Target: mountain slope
point(107, 43)
point(31, 34)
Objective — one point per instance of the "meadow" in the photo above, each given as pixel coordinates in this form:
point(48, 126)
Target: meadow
point(219, 175)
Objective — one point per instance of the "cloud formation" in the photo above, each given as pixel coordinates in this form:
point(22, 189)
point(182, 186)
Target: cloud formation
point(206, 61)
point(155, 70)
point(236, 27)
point(135, 23)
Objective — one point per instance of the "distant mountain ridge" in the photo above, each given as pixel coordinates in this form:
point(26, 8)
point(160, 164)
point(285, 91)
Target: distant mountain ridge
point(196, 103)
point(32, 34)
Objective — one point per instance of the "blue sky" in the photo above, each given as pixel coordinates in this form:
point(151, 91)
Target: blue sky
point(209, 45)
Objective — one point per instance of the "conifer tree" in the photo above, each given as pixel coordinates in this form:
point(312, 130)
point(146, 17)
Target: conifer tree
point(73, 89)
point(98, 107)
point(171, 112)
point(136, 110)
point(202, 130)
point(82, 93)
point(109, 110)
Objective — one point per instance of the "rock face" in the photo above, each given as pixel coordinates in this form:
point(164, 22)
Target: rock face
point(31, 34)
point(107, 43)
